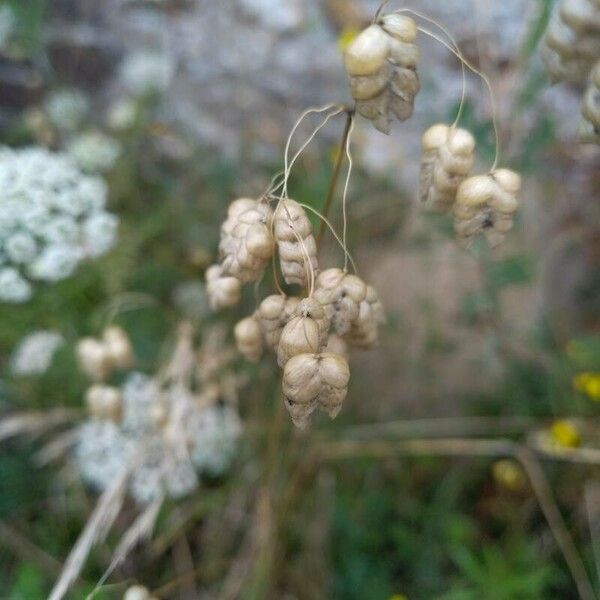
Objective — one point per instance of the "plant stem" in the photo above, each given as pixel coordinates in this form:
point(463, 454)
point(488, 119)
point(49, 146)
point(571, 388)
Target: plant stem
point(335, 174)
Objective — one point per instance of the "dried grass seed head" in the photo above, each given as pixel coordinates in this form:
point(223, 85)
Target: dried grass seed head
point(246, 243)
point(274, 312)
point(223, 290)
point(296, 243)
point(487, 203)
point(340, 294)
point(381, 63)
point(104, 402)
point(312, 381)
point(249, 338)
point(93, 358)
point(589, 127)
point(138, 592)
point(364, 332)
point(306, 331)
point(118, 347)
point(447, 159)
point(572, 40)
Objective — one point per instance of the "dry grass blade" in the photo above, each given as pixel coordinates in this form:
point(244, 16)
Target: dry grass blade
point(35, 422)
point(96, 530)
point(141, 529)
point(56, 448)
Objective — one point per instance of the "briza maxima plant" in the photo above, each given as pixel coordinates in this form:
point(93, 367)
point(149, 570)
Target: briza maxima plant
point(310, 326)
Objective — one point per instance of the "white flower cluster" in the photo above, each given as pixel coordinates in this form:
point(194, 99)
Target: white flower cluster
point(94, 152)
point(177, 438)
point(146, 72)
point(52, 216)
point(67, 108)
point(8, 23)
point(35, 352)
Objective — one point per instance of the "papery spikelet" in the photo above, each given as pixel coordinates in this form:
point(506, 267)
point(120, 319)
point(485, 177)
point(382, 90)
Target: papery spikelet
point(447, 159)
point(93, 358)
point(381, 63)
point(311, 381)
point(571, 43)
point(274, 312)
point(340, 294)
point(104, 402)
point(487, 203)
point(222, 290)
point(589, 127)
point(295, 242)
point(246, 240)
point(118, 347)
point(364, 332)
point(305, 332)
point(249, 338)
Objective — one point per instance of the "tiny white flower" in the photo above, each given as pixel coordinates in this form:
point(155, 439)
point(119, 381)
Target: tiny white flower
point(20, 247)
point(122, 114)
point(94, 152)
point(67, 108)
point(35, 352)
point(146, 72)
point(99, 233)
point(13, 287)
point(56, 262)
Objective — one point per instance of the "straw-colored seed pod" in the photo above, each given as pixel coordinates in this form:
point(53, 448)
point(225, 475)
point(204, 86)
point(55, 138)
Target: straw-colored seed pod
point(589, 127)
point(246, 244)
point(236, 208)
point(295, 242)
point(306, 331)
point(381, 63)
point(447, 159)
point(572, 40)
point(222, 290)
point(487, 203)
point(312, 381)
point(138, 592)
point(364, 332)
point(94, 358)
point(273, 313)
point(340, 294)
point(118, 347)
point(104, 402)
point(249, 338)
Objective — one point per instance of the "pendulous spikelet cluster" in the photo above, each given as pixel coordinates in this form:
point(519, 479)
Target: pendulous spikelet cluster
point(571, 53)
point(307, 333)
point(382, 63)
point(481, 204)
point(487, 204)
point(447, 160)
point(572, 40)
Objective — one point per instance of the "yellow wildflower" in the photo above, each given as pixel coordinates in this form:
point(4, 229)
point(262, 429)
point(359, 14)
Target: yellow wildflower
point(509, 474)
point(346, 37)
point(564, 433)
point(589, 384)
